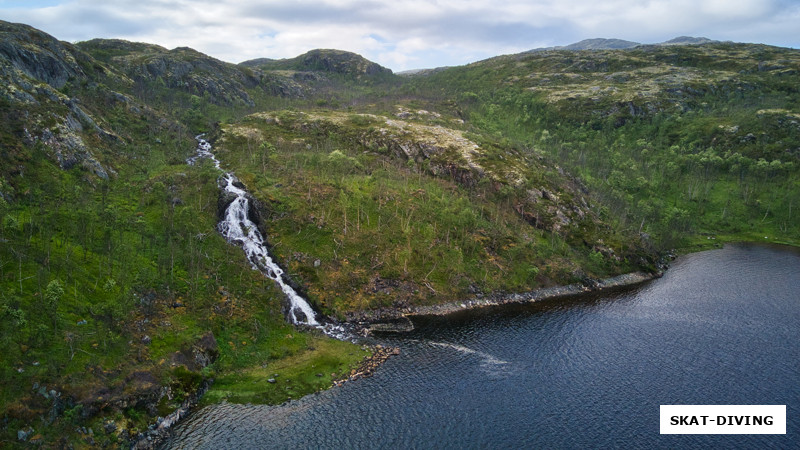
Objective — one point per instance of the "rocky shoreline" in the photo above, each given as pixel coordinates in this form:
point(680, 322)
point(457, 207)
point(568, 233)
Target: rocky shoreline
point(159, 432)
point(627, 279)
point(368, 366)
point(397, 319)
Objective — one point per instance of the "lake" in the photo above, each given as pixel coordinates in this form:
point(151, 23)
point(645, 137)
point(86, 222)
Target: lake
point(720, 327)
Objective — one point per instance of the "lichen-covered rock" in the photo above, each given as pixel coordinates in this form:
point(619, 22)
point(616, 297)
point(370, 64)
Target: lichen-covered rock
point(69, 149)
point(37, 54)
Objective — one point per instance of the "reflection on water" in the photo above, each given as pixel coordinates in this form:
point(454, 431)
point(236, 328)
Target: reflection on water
point(721, 327)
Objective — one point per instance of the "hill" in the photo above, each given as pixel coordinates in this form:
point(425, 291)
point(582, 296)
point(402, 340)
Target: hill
point(599, 44)
point(331, 61)
point(678, 141)
point(119, 268)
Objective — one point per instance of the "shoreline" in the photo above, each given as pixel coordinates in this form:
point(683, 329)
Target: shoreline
point(398, 320)
point(627, 279)
point(159, 432)
point(367, 367)
point(381, 320)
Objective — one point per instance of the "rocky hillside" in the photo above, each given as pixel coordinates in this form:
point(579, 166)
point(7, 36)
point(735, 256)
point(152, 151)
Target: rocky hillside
point(57, 98)
point(180, 68)
point(374, 211)
point(194, 87)
point(678, 141)
point(123, 298)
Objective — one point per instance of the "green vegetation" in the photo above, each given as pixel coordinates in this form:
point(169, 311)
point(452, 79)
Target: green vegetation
point(315, 366)
point(118, 298)
point(362, 228)
point(114, 284)
point(120, 284)
point(677, 142)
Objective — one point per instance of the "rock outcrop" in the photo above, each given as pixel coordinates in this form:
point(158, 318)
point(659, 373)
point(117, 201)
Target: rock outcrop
point(38, 55)
point(557, 204)
point(198, 355)
point(34, 69)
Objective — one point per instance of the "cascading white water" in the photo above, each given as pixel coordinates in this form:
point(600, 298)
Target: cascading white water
point(237, 228)
point(203, 151)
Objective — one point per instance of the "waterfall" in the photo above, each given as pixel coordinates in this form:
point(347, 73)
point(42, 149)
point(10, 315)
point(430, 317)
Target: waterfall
point(237, 228)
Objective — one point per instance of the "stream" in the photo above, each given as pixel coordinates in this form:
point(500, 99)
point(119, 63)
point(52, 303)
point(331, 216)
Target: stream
point(238, 229)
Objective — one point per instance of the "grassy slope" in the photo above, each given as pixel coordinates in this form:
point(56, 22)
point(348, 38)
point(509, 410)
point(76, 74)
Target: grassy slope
point(680, 142)
point(323, 361)
point(361, 228)
point(104, 282)
point(136, 247)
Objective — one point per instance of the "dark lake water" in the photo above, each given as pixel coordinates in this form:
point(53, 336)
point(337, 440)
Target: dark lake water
point(721, 327)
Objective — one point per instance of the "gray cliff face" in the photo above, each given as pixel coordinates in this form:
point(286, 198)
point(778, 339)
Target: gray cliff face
point(35, 71)
point(37, 54)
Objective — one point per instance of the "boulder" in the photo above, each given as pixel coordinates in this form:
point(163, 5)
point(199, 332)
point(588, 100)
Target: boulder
point(23, 435)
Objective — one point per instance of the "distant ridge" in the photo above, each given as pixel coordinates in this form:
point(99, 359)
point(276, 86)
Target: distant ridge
point(591, 44)
point(256, 62)
point(688, 40)
point(620, 44)
point(600, 44)
point(586, 44)
point(411, 72)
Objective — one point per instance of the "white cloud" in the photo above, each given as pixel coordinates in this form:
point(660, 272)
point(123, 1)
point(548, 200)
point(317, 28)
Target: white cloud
point(402, 35)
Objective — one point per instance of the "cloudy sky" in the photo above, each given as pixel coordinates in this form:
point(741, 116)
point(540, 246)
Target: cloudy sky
point(404, 34)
